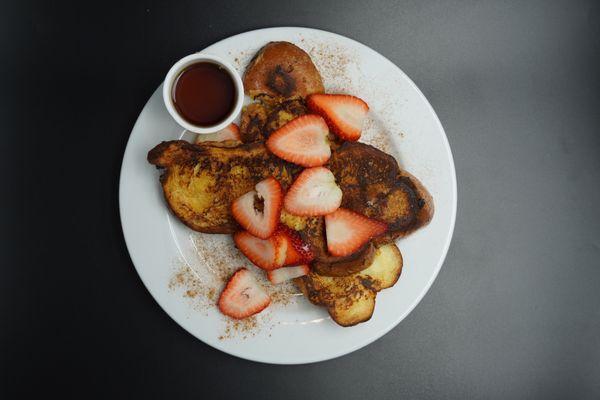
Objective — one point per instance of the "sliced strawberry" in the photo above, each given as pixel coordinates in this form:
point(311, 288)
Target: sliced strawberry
point(302, 141)
point(258, 210)
point(286, 273)
point(314, 192)
point(344, 114)
point(297, 251)
point(230, 132)
point(348, 231)
point(264, 253)
point(282, 245)
point(243, 296)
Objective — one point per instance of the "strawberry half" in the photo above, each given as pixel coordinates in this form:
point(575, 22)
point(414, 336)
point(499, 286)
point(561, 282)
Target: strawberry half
point(302, 141)
point(266, 254)
point(230, 132)
point(285, 274)
point(258, 210)
point(297, 251)
point(344, 114)
point(348, 231)
point(243, 296)
point(314, 192)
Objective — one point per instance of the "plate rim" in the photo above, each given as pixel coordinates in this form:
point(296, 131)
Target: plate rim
point(369, 339)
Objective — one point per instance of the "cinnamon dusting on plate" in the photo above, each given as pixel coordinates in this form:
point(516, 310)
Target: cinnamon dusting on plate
point(200, 281)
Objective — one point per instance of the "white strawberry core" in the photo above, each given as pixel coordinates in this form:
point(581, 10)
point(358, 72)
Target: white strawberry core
point(351, 115)
point(337, 232)
point(321, 188)
point(309, 141)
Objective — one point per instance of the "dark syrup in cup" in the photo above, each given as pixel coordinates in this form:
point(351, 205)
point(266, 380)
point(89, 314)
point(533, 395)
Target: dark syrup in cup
point(204, 94)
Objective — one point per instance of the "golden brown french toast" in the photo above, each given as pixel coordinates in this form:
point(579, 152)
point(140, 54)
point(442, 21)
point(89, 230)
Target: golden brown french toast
point(282, 70)
point(351, 299)
point(200, 181)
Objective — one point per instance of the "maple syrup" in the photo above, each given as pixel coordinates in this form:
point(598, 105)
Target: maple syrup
point(204, 94)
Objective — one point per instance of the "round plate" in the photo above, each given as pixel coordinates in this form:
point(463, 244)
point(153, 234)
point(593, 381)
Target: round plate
point(185, 270)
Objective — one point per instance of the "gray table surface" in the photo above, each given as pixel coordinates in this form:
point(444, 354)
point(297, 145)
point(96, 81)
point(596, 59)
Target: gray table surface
point(515, 311)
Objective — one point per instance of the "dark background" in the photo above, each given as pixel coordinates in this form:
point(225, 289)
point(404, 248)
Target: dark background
point(515, 311)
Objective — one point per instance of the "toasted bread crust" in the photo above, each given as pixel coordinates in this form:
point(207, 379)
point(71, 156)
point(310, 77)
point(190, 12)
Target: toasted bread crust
point(283, 70)
point(426, 205)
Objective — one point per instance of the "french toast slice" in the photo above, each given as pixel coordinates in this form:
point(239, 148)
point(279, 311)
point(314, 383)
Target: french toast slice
point(350, 299)
point(200, 181)
point(374, 185)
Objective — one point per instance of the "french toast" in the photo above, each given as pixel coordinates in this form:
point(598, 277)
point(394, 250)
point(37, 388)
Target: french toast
point(260, 119)
point(351, 299)
point(374, 185)
point(282, 70)
point(200, 182)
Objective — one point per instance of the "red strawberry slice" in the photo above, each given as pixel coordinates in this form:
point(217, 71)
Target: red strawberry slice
point(230, 132)
point(297, 251)
point(266, 254)
point(286, 273)
point(314, 192)
point(344, 114)
point(258, 210)
point(302, 141)
point(243, 296)
point(348, 231)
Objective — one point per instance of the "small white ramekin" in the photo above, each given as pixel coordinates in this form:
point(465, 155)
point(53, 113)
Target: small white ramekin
point(172, 76)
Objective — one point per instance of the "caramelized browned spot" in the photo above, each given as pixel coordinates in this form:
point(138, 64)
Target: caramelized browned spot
point(282, 70)
point(253, 119)
point(281, 82)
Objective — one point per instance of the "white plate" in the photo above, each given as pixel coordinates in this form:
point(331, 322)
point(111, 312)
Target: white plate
point(401, 122)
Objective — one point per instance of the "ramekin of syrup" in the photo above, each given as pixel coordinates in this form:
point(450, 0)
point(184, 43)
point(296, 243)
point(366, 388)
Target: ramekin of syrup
point(203, 93)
